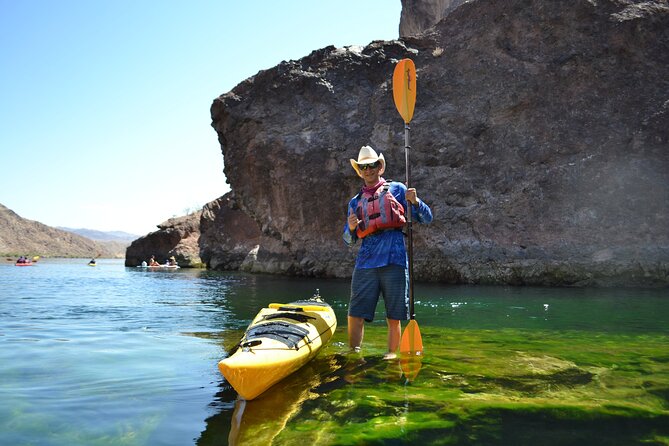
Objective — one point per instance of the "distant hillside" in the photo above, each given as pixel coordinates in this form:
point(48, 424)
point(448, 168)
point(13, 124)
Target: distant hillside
point(19, 236)
point(103, 236)
point(115, 242)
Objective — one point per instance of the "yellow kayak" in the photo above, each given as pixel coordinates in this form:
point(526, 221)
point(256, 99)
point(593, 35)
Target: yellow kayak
point(279, 340)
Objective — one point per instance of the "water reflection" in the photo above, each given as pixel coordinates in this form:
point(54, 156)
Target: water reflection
point(262, 420)
point(410, 365)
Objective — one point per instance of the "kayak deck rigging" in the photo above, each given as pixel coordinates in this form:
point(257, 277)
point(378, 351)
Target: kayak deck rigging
point(284, 332)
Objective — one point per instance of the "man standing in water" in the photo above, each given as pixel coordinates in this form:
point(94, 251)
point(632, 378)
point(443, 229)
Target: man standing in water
point(377, 215)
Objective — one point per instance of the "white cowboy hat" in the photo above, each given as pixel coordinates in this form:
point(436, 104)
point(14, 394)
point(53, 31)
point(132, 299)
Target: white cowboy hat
point(367, 155)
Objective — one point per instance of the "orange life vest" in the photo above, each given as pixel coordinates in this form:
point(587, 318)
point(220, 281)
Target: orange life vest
point(378, 211)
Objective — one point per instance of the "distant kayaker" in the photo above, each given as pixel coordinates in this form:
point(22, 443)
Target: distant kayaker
point(152, 261)
point(92, 262)
point(376, 215)
point(172, 261)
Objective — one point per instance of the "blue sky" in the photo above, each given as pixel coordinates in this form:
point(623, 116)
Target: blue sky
point(104, 104)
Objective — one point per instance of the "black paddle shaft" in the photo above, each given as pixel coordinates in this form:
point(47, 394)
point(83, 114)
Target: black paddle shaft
point(407, 149)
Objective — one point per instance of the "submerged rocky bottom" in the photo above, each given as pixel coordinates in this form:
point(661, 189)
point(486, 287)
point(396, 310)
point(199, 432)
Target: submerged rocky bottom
point(487, 387)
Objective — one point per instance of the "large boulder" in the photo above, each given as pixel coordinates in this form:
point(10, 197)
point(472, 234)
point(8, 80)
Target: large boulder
point(178, 237)
point(539, 139)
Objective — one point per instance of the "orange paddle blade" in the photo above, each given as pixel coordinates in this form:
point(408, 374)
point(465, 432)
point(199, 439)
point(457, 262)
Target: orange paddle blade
point(411, 342)
point(404, 88)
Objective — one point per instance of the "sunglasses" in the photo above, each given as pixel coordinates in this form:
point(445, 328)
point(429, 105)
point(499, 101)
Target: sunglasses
point(369, 166)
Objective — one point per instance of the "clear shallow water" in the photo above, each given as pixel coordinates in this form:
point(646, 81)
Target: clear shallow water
point(109, 355)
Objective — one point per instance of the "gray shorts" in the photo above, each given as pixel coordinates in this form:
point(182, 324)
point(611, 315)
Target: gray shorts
point(369, 283)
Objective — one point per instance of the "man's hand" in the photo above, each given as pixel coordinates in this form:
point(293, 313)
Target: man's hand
point(352, 220)
point(412, 196)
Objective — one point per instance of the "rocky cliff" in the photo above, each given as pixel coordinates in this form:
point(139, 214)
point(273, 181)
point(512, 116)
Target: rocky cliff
point(539, 139)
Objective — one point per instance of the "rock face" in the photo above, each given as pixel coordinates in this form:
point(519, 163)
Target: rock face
point(230, 238)
point(539, 139)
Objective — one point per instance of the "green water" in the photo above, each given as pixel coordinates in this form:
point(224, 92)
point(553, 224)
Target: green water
point(509, 386)
point(118, 356)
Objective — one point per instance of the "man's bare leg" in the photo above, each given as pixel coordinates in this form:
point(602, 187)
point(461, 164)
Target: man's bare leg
point(356, 331)
point(394, 335)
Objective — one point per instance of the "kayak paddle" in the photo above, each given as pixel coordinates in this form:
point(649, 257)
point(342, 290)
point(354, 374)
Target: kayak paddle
point(404, 94)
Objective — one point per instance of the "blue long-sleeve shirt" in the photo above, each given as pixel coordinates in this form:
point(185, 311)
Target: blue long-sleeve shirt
point(385, 247)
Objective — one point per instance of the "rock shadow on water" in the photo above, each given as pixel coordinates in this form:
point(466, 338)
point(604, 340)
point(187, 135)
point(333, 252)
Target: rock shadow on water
point(532, 384)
